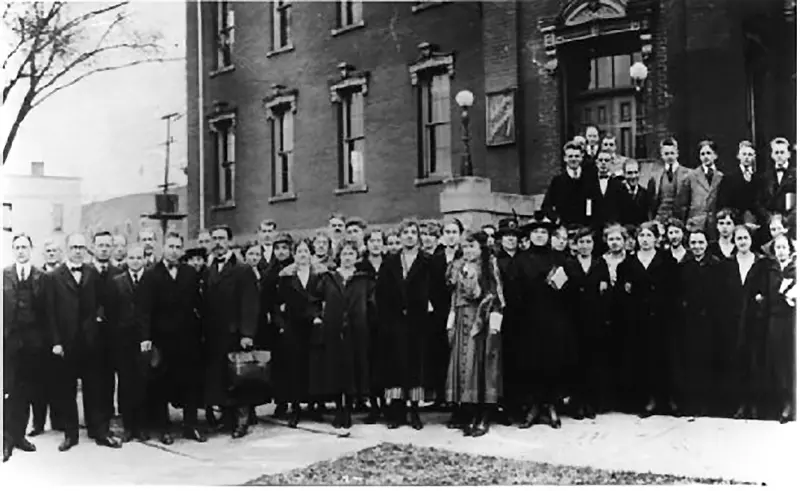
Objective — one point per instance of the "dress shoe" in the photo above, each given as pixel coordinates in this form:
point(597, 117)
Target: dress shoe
point(555, 420)
point(36, 431)
point(589, 412)
point(530, 418)
point(108, 441)
point(239, 432)
point(7, 449)
point(786, 414)
point(294, 419)
point(482, 426)
point(26, 446)
point(166, 439)
point(414, 420)
point(740, 413)
point(67, 444)
point(194, 434)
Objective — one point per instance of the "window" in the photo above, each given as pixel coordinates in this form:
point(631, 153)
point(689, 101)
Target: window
point(351, 140)
point(224, 128)
point(223, 40)
point(281, 24)
point(281, 107)
point(434, 122)
point(7, 209)
point(58, 217)
point(348, 13)
point(612, 72)
point(282, 152)
point(431, 75)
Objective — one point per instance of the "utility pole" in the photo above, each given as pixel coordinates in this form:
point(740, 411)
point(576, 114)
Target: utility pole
point(166, 204)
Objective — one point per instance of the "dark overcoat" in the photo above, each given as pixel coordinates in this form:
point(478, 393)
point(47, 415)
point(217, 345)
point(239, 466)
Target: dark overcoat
point(782, 334)
point(376, 342)
point(512, 320)
point(298, 307)
point(437, 344)
point(340, 347)
point(230, 313)
point(403, 306)
point(169, 317)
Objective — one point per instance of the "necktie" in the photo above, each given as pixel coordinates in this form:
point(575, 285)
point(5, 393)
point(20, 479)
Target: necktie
point(669, 173)
point(709, 174)
point(22, 274)
point(103, 268)
point(135, 280)
point(747, 173)
point(633, 191)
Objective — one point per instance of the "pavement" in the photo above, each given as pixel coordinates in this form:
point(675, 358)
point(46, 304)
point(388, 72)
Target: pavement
point(753, 451)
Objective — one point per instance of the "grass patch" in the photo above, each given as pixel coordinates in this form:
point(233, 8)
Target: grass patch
point(392, 464)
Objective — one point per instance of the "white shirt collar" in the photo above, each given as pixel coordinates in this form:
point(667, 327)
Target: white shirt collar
point(574, 173)
point(136, 275)
point(26, 267)
point(224, 259)
point(71, 265)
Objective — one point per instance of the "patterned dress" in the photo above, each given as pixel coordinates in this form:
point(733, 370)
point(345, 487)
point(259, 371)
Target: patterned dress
point(474, 374)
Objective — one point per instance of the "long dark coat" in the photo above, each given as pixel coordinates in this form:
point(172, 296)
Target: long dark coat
point(697, 365)
point(403, 307)
point(587, 293)
point(745, 337)
point(230, 312)
point(339, 353)
point(377, 343)
point(438, 347)
point(169, 317)
point(781, 336)
point(545, 347)
point(649, 321)
point(298, 307)
point(512, 320)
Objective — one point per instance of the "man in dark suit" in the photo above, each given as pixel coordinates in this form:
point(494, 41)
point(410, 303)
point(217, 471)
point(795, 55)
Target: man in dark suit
point(779, 189)
point(740, 187)
point(147, 237)
point(604, 195)
point(127, 344)
point(25, 344)
point(103, 246)
point(169, 304)
point(43, 394)
point(566, 195)
point(230, 317)
point(267, 231)
point(635, 207)
point(72, 296)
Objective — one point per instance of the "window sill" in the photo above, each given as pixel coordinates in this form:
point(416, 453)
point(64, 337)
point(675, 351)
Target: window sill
point(282, 198)
point(276, 52)
point(427, 5)
point(224, 206)
point(353, 189)
point(344, 29)
point(220, 71)
point(431, 180)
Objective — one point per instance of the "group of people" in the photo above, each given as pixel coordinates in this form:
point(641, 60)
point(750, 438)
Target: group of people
point(677, 297)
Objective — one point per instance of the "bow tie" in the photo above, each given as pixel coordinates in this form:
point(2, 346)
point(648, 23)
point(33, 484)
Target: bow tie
point(76, 269)
point(780, 169)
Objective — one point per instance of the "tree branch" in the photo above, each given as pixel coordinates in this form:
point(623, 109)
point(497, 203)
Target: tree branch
point(96, 71)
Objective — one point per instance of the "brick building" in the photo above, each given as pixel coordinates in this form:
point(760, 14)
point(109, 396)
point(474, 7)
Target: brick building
point(347, 106)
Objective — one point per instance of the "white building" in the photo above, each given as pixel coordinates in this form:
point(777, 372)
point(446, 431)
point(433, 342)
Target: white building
point(41, 206)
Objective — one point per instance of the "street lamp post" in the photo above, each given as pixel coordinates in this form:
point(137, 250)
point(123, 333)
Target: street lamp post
point(465, 99)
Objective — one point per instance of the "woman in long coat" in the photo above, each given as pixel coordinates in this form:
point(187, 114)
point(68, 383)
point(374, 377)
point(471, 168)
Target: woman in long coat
point(276, 322)
point(782, 302)
point(339, 353)
point(586, 290)
point(698, 289)
point(371, 265)
point(403, 296)
point(744, 280)
point(648, 277)
point(301, 307)
point(474, 374)
point(544, 340)
point(615, 237)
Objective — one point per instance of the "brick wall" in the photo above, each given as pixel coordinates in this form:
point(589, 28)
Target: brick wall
point(384, 47)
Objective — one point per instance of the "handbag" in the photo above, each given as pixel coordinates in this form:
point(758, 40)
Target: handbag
point(249, 367)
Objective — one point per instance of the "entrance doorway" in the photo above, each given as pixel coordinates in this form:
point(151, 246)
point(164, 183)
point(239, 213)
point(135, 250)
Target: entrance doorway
point(615, 115)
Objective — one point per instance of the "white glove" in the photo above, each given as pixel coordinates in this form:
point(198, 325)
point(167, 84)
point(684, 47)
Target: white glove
point(146, 346)
point(451, 321)
point(495, 321)
point(58, 350)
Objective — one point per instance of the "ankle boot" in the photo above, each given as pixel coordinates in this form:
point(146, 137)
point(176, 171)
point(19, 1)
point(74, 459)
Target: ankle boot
point(482, 427)
point(413, 416)
point(393, 412)
point(470, 418)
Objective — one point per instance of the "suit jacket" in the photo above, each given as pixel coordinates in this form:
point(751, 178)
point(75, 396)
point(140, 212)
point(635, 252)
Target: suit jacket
point(738, 194)
point(566, 197)
point(773, 195)
point(635, 209)
point(263, 263)
point(72, 309)
point(702, 197)
point(605, 207)
point(681, 204)
point(168, 307)
point(123, 310)
point(231, 303)
point(107, 280)
point(34, 336)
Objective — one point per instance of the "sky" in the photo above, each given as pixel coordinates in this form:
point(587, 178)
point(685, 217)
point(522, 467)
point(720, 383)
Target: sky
point(107, 129)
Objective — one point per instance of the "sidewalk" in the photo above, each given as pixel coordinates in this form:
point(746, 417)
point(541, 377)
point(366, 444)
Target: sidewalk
point(755, 451)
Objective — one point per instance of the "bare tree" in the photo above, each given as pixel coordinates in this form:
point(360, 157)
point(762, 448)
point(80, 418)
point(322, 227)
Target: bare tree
point(52, 46)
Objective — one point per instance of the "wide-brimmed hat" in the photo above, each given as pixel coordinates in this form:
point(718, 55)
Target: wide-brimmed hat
point(283, 237)
point(194, 252)
point(540, 220)
point(509, 226)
